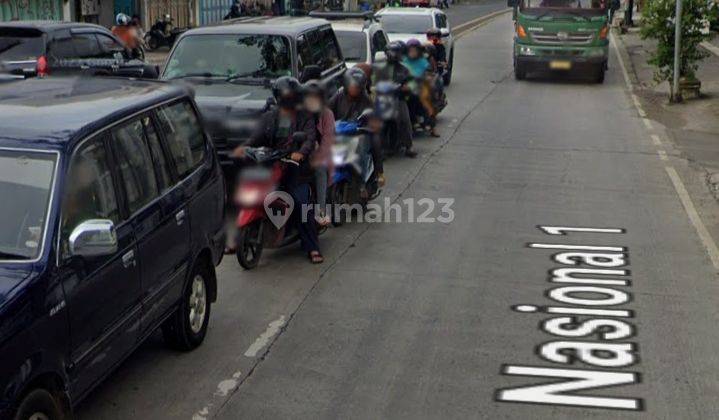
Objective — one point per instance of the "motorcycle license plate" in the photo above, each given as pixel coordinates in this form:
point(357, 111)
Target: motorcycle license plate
point(560, 65)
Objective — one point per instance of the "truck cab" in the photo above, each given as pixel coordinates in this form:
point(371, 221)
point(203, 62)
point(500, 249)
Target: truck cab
point(561, 35)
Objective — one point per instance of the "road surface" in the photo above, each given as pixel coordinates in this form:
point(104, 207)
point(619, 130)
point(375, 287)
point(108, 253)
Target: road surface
point(444, 320)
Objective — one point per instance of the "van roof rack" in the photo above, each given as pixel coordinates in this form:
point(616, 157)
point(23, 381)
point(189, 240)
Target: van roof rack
point(343, 15)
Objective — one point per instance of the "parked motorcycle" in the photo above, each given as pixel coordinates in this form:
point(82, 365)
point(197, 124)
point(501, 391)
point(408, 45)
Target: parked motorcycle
point(162, 33)
point(354, 170)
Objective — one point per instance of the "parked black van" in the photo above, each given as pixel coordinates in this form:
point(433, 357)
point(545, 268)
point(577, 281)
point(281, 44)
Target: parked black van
point(111, 226)
point(231, 67)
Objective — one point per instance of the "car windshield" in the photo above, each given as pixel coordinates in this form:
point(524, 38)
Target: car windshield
point(406, 24)
point(594, 5)
point(230, 56)
point(27, 177)
point(353, 45)
point(15, 47)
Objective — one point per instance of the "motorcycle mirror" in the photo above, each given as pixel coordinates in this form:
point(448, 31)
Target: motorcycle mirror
point(380, 57)
point(445, 31)
point(299, 137)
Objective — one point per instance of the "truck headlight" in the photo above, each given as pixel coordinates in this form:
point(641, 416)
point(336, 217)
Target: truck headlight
point(526, 51)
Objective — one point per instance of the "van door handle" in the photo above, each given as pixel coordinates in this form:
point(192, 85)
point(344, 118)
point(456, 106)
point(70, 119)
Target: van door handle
point(128, 260)
point(180, 217)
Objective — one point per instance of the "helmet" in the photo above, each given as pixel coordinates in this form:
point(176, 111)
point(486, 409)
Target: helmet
point(366, 69)
point(434, 33)
point(122, 19)
point(395, 50)
point(167, 18)
point(355, 76)
point(314, 87)
point(414, 42)
point(287, 91)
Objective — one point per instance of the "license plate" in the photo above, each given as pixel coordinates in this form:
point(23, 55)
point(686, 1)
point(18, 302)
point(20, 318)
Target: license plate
point(560, 65)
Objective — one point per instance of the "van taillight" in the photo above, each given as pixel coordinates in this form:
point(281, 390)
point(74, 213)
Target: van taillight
point(42, 69)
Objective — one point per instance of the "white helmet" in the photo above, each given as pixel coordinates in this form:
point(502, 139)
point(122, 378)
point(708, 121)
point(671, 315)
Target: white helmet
point(122, 19)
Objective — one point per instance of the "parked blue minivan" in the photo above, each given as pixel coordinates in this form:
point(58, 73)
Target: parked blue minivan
point(111, 225)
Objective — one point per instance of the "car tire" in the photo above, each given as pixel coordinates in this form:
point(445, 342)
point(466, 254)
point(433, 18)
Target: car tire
point(186, 328)
point(39, 404)
point(448, 76)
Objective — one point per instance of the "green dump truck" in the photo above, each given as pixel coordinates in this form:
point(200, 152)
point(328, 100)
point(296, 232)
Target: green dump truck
point(561, 35)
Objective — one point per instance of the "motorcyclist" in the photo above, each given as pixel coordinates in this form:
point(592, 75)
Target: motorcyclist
point(394, 71)
point(420, 103)
point(126, 33)
point(275, 130)
point(350, 101)
point(434, 36)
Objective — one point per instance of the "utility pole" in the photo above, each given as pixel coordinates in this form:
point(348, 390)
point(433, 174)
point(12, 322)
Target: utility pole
point(676, 94)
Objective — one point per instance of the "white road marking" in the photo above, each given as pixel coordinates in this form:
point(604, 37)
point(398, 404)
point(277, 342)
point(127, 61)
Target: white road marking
point(265, 337)
point(627, 80)
point(694, 218)
point(228, 385)
point(202, 414)
point(648, 123)
point(656, 140)
point(662, 154)
point(561, 230)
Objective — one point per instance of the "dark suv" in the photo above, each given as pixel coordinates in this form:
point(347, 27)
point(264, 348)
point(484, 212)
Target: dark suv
point(40, 48)
point(232, 65)
point(111, 226)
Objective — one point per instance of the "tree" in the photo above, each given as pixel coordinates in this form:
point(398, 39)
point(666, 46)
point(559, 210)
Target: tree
point(659, 23)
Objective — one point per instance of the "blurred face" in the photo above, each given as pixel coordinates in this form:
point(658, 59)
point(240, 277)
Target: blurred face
point(313, 103)
point(434, 39)
point(354, 90)
point(413, 53)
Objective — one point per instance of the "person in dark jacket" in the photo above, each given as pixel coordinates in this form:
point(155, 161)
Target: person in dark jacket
point(275, 130)
point(393, 71)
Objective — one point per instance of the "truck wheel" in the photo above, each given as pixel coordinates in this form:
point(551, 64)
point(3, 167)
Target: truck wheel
point(187, 327)
point(39, 404)
point(447, 79)
point(249, 245)
point(520, 73)
point(599, 77)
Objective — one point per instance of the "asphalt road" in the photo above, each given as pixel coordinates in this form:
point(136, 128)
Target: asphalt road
point(420, 320)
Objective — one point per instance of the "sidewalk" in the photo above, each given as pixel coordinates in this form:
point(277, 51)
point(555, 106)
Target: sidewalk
point(693, 126)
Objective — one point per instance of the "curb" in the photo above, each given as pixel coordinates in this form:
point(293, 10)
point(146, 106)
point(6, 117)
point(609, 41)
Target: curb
point(467, 27)
point(710, 47)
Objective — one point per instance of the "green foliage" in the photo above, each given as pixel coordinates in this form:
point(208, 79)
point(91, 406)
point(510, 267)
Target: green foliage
point(658, 22)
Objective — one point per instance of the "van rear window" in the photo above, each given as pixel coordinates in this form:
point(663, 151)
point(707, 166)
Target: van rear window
point(20, 45)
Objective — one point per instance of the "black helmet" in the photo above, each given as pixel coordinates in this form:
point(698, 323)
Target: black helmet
point(414, 42)
point(355, 76)
point(434, 33)
point(314, 87)
point(395, 51)
point(287, 91)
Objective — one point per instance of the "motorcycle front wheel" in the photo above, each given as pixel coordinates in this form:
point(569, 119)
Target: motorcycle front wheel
point(249, 245)
point(151, 42)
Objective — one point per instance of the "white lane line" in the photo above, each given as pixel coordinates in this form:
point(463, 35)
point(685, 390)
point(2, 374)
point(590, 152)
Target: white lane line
point(656, 140)
point(710, 47)
point(638, 105)
point(627, 80)
point(265, 337)
point(662, 154)
point(691, 211)
point(647, 123)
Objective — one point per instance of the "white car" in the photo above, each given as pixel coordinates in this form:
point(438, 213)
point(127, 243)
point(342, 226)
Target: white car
point(405, 23)
point(361, 37)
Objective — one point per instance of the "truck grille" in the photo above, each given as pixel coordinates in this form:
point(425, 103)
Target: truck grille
point(560, 38)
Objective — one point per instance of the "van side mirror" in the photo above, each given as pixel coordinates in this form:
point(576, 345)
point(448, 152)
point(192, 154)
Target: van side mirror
point(299, 137)
point(93, 238)
point(380, 56)
point(445, 31)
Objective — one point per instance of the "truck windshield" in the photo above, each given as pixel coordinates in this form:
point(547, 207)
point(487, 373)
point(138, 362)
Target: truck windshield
point(27, 177)
point(594, 5)
point(230, 56)
point(353, 45)
point(405, 24)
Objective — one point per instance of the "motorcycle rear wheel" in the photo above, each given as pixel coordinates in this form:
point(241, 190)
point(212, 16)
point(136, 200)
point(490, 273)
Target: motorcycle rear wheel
point(249, 245)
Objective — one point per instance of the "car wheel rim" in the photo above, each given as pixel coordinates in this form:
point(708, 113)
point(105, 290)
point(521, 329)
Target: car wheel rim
point(38, 416)
point(198, 304)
